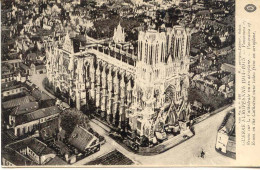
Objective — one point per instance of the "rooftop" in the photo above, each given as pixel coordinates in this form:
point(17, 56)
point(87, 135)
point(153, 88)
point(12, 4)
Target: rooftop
point(10, 85)
point(228, 67)
point(40, 95)
point(34, 144)
point(18, 101)
point(229, 123)
point(80, 138)
point(16, 158)
point(56, 161)
point(40, 148)
point(40, 67)
point(25, 108)
point(24, 67)
point(38, 114)
point(113, 158)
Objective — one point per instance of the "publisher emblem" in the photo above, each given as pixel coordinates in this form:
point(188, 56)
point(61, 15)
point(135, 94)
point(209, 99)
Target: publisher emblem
point(250, 7)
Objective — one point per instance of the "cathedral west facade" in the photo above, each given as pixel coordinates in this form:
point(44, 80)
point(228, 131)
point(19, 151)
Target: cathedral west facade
point(142, 94)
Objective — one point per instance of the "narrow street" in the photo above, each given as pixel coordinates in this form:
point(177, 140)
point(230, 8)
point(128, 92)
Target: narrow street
point(187, 153)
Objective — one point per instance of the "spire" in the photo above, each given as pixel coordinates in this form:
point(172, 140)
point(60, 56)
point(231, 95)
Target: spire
point(119, 34)
point(68, 44)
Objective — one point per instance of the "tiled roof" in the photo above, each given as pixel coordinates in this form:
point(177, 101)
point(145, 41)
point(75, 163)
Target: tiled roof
point(5, 69)
point(18, 101)
point(112, 158)
point(228, 67)
point(8, 137)
point(47, 103)
point(34, 144)
point(18, 145)
point(16, 158)
point(7, 85)
point(229, 123)
point(56, 161)
point(38, 114)
point(32, 56)
point(63, 147)
point(40, 67)
point(25, 108)
point(24, 67)
point(80, 138)
point(37, 146)
point(206, 62)
point(40, 95)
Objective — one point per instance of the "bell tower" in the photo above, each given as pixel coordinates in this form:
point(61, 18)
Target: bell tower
point(152, 50)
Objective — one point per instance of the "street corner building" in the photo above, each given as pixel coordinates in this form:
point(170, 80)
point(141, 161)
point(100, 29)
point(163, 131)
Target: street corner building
point(226, 139)
point(138, 94)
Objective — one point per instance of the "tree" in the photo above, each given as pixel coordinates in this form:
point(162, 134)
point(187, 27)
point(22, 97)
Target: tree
point(68, 123)
point(58, 92)
point(72, 117)
point(215, 41)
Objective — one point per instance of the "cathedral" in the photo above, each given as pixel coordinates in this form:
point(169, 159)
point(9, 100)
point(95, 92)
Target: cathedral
point(145, 94)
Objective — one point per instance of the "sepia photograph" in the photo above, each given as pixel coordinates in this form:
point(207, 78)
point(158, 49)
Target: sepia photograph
point(101, 83)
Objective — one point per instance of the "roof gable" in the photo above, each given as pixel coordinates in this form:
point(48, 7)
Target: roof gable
point(81, 138)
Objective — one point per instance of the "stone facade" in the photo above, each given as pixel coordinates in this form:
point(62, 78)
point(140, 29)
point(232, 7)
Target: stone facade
point(128, 89)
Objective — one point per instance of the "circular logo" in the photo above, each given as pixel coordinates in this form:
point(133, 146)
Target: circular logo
point(250, 7)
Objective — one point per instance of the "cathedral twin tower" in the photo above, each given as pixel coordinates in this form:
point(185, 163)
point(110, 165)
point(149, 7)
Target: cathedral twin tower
point(162, 79)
